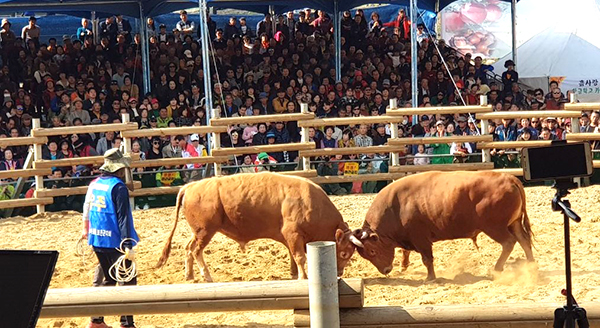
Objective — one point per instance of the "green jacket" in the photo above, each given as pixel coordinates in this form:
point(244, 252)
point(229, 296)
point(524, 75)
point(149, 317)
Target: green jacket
point(440, 149)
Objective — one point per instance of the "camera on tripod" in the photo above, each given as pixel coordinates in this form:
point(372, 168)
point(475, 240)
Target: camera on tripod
point(561, 162)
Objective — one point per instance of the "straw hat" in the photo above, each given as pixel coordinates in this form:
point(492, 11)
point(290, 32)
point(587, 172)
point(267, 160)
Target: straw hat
point(115, 160)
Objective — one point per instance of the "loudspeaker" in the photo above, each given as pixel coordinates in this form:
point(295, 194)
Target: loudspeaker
point(24, 279)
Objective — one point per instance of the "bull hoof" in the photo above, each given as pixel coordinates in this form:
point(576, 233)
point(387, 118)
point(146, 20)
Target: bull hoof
point(294, 276)
point(430, 279)
point(189, 278)
point(404, 268)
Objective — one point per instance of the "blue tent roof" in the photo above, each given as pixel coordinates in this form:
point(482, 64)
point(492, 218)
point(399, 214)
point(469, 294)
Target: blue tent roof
point(158, 7)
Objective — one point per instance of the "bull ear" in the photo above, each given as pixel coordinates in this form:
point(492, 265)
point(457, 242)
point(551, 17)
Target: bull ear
point(339, 236)
point(374, 236)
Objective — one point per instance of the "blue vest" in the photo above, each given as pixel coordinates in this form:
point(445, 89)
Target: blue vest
point(104, 227)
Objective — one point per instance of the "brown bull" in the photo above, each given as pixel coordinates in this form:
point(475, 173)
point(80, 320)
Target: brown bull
point(245, 207)
point(416, 211)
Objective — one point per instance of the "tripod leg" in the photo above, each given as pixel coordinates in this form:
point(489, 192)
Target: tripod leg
point(581, 316)
point(559, 318)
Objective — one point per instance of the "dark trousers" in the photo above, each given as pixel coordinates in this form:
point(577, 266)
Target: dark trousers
point(108, 257)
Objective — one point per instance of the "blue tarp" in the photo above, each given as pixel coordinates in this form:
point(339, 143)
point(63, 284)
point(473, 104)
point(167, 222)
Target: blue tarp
point(55, 26)
point(158, 7)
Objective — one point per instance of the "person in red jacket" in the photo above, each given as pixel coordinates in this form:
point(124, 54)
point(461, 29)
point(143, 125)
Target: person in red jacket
point(402, 23)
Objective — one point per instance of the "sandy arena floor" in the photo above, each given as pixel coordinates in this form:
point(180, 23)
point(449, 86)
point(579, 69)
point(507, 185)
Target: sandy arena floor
point(463, 271)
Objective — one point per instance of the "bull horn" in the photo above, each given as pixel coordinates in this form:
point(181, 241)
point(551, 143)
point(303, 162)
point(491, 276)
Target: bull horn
point(364, 235)
point(356, 242)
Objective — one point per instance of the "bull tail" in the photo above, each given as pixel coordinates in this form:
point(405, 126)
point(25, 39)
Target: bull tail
point(525, 219)
point(167, 248)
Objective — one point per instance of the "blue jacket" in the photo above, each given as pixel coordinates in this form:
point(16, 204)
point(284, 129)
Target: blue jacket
point(110, 213)
point(506, 133)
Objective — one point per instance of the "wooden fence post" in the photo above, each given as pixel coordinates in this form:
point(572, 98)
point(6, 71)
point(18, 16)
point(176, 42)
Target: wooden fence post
point(37, 156)
point(305, 138)
point(216, 141)
point(394, 133)
point(485, 153)
point(575, 127)
point(127, 150)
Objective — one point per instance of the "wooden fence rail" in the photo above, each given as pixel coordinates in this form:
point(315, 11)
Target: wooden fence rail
point(307, 148)
point(188, 298)
point(531, 315)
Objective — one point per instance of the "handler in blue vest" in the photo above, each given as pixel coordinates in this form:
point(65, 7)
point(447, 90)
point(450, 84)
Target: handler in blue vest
point(107, 221)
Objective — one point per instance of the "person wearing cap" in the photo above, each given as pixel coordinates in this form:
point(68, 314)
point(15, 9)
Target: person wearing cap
point(31, 32)
point(264, 162)
point(77, 111)
point(185, 26)
point(509, 76)
point(280, 102)
point(461, 128)
point(7, 39)
point(441, 148)
point(108, 222)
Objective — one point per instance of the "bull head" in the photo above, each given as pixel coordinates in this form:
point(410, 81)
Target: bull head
point(359, 235)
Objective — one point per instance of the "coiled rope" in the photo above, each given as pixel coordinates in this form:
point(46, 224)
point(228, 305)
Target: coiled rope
point(119, 271)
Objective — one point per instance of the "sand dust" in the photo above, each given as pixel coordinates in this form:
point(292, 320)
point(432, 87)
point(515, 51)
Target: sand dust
point(464, 273)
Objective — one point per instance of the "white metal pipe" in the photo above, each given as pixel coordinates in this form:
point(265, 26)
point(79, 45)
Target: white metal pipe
point(513, 18)
point(145, 51)
point(322, 285)
point(205, 46)
point(337, 35)
point(413, 57)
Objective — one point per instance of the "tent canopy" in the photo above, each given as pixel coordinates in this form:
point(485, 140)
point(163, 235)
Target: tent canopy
point(158, 7)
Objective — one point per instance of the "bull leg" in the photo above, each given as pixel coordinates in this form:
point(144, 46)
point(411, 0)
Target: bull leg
point(507, 247)
point(189, 261)
point(296, 246)
point(427, 257)
point(405, 259)
point(293, 266)
point(519, 233)
point(203, 237)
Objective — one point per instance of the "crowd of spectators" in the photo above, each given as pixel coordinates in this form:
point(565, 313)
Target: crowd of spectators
point(270, 68)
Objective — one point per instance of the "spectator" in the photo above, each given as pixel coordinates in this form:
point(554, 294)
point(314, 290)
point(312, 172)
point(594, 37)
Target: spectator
point(172, 149)
point(31, 32)
point(509, 76)
point(441, 148)
point(264, 162)
point(421, 157)
point(362, 139)
point(105, 143)
point(9, 162)
point(123, 27)
point(185, 26)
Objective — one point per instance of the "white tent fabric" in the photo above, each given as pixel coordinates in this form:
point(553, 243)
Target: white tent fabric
point(567, 51)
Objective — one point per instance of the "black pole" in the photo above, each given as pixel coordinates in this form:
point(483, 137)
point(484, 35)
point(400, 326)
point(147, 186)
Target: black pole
point(570, 323)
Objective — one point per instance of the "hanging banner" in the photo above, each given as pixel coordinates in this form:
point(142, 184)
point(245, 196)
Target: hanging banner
point(586, 89)
point(479, 27)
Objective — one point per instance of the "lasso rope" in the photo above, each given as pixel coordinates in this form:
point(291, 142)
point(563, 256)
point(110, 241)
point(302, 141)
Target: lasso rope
point(83, 249)
point(123, 273)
